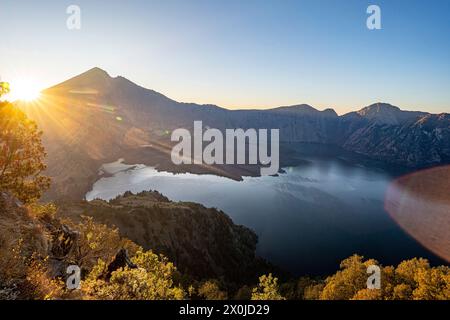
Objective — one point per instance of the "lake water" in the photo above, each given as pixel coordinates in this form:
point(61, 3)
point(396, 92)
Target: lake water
point(307, 220)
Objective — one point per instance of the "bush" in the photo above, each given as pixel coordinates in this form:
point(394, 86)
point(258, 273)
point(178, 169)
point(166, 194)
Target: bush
point(151, 280)
point(267, 289)
point(210, 290)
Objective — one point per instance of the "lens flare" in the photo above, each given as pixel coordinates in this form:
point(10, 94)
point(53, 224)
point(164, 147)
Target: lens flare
point(420, 204)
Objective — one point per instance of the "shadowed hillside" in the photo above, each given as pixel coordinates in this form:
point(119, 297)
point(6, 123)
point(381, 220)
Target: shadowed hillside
point(201, 242)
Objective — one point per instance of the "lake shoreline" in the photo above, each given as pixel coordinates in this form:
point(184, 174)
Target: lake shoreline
point(333, 199)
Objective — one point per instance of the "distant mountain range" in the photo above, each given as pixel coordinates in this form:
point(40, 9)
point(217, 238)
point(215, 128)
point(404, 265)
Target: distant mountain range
point(93, 118)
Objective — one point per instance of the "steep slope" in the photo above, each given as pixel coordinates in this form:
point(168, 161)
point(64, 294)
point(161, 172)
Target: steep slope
point(201, 242)
point(37, 244)
point(424, 142)
point(141, 107)
point(28, 240)
point(94, 118)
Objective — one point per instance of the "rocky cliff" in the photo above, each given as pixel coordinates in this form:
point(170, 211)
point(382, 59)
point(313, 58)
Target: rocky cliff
point(37, 245)
point(421, 141)
point(202, 242)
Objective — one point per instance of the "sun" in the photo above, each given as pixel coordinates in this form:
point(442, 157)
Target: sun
point(25, 89)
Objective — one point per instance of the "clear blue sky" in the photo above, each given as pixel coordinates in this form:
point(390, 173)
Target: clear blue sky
point(241, 54)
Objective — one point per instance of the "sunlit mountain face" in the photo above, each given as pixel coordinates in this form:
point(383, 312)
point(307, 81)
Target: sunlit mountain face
point(95, 116)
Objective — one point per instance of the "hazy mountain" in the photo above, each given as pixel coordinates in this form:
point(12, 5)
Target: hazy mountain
point(384, 113)
point(415, 142)
point(134, 104)
point(306, 110)
point(94, 118)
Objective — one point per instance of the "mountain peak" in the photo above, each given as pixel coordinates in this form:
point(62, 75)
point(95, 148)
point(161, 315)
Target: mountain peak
point(385, 113)
point(97, 72)
point(93, 80)
point(378, 107)
point(306, 109)
point(92, 75)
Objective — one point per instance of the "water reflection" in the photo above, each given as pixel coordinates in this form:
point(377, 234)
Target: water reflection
point(307, 220)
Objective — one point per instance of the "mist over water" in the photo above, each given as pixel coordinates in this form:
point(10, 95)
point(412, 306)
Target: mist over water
point(307, 220)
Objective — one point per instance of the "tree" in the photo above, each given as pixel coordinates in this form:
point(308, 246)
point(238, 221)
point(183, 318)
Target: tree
point(267, 289)
point(152, 280)
point(402, 292)
point(346, 283)
point(4, 88)
point(210, 290)
point(21, 154)
point(432, 284)
point(97, 242)
point(412, 279)
point(407, 271)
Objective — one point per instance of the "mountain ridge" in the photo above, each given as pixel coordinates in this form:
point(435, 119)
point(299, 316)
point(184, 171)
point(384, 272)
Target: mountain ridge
point(95, 74)
point(93, 119)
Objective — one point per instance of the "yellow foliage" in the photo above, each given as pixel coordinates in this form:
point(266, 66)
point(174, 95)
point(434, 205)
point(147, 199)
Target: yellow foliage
point(346, 283)
point(42, 211)
point(267, 289)
point(97, 241)
point(411, 280)
point(44, 287)
point(210, 290)
point(21, 155)
point(152, 280)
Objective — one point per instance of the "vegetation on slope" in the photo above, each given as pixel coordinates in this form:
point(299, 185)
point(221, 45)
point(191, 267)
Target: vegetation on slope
point(39, 241)
point(202, 242)
point(21, 155)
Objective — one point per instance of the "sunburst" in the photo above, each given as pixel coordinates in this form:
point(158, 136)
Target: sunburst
point(25, 89)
